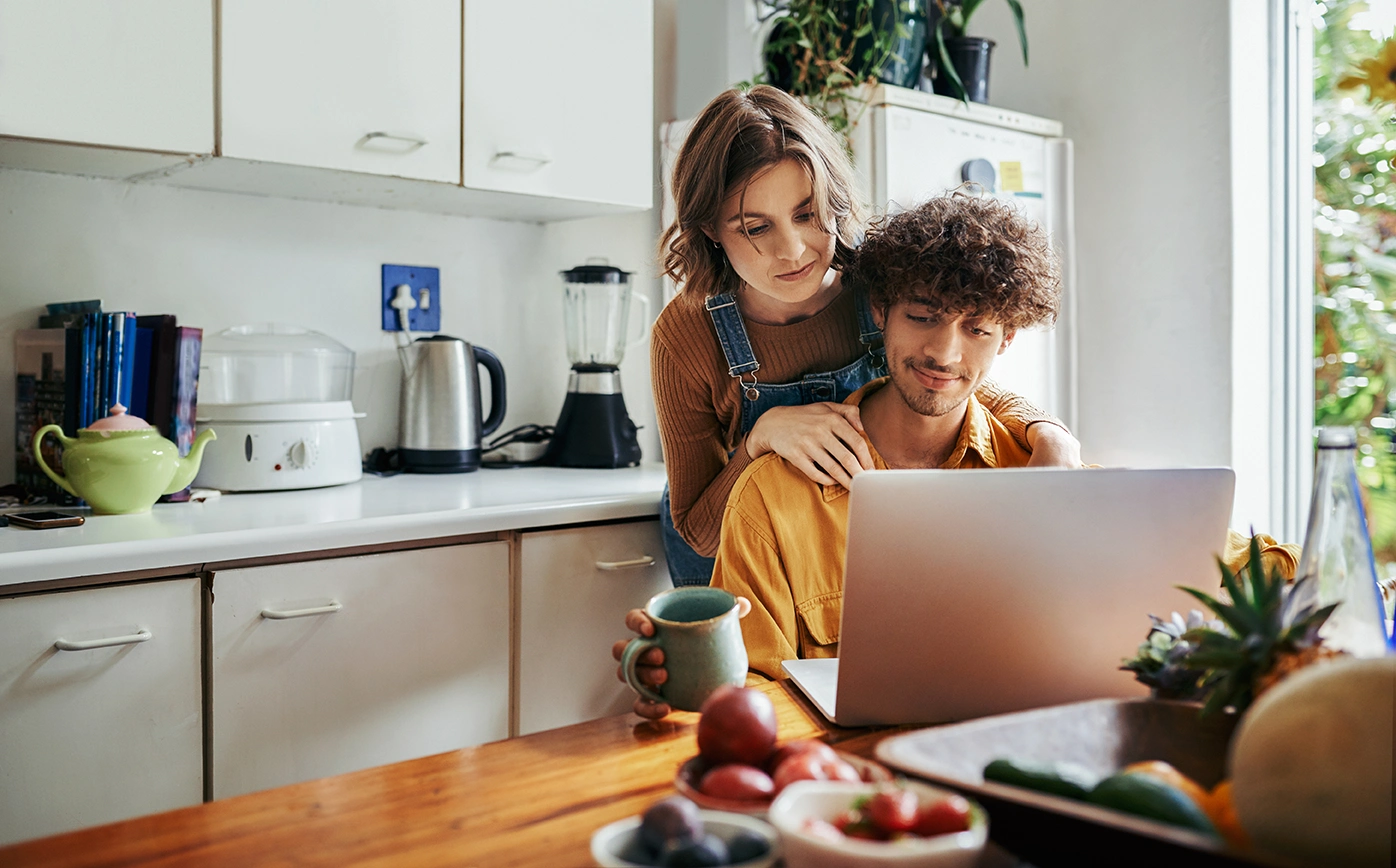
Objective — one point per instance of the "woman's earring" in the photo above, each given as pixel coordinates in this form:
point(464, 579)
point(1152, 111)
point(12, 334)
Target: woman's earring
point(717, 244)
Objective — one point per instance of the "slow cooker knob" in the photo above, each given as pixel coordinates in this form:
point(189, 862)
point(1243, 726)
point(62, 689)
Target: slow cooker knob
point(302, 453)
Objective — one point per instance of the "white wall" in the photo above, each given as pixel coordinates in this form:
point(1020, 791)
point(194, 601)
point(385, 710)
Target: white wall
point(218, 259)
point(1171, 222)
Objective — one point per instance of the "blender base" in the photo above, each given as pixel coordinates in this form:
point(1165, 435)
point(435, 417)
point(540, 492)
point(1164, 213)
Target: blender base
point(593, 430)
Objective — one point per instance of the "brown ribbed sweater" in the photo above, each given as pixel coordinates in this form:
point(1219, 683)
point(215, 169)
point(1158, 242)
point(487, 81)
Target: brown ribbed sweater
point(699, 403)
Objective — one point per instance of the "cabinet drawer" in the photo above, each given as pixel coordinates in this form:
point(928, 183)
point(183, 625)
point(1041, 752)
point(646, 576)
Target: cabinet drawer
point(109, 729)
point(326, 667)
point(576, 584)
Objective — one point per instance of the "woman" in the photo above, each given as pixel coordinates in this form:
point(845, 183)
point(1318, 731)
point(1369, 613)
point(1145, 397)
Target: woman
point(762, 343)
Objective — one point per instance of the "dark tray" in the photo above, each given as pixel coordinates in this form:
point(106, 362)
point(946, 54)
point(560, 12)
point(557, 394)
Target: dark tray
point(1102, 735)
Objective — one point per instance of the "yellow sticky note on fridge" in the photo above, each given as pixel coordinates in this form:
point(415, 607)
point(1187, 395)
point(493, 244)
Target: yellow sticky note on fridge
point(1011, 176)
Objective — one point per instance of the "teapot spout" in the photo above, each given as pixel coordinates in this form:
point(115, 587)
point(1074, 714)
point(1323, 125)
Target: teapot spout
point(189, 465)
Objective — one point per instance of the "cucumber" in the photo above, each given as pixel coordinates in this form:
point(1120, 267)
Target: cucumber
point(1149, 797)
point(1059, 778)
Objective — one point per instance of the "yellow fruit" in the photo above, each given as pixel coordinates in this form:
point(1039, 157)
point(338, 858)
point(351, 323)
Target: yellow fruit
point(1311, 765)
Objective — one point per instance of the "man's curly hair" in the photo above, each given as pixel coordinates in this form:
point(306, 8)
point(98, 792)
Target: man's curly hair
point(962, 254)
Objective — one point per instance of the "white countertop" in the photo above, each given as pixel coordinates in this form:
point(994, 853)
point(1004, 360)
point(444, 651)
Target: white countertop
point(373, 511)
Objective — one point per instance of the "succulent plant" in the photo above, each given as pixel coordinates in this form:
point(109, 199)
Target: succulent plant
point(1159, 660)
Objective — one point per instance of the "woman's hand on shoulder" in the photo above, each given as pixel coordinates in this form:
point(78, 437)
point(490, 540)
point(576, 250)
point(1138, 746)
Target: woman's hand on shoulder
point(649, 668)
point(1053, 446)
point(824, 440)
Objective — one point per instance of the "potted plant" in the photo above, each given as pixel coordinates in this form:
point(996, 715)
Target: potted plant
point(959, 62)
point(822, 50)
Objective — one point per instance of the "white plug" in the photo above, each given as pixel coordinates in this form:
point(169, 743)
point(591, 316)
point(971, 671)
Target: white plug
point(403, 302)
point(402, 298)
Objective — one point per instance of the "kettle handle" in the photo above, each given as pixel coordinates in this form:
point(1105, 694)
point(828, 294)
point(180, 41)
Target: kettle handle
point(497, 401)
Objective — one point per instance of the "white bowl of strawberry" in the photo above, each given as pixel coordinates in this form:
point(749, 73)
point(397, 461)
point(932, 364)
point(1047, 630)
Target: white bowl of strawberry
point(905, 823)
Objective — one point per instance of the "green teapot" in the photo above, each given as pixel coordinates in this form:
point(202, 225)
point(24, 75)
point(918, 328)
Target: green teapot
point(121, 464)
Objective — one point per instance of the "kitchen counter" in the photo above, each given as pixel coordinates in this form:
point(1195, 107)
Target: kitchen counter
point(373, 511)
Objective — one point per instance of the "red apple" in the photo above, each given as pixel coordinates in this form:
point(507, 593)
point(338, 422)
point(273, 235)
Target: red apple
point(738, 725)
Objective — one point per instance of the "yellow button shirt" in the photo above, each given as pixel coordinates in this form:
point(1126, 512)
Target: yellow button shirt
point(784, 535)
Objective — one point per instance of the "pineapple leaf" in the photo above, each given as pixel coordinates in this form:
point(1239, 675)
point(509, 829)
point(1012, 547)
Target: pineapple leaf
point(1206, 599)
point(1234, 588)
point(1257, 572)
point(1240, 620)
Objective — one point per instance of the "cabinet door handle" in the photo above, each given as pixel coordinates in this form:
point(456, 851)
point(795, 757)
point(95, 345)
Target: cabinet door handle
point(519, 161)
point(412, 142)
point(137, 637)
point(328, 609)
point(641, 561)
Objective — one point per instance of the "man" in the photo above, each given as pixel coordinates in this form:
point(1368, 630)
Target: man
point(951, 283)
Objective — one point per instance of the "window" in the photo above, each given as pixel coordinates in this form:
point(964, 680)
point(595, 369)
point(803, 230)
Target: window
point(1354, 237)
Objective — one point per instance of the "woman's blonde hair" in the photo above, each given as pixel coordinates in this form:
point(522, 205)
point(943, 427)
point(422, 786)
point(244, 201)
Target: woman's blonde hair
point(738, 135)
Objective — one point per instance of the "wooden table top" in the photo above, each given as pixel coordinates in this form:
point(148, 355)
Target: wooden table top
point(527, 801)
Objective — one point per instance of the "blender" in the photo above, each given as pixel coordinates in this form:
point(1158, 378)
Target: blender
point(594, 429)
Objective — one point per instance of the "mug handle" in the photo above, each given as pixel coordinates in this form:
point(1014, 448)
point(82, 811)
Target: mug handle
point(633, 649)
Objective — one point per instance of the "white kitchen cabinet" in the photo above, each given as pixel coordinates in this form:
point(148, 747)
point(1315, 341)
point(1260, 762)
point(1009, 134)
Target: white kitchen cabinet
point(329, 666)
point(358, 85)
point(576, 584)
point(100, 706)
point(134, 74)
point(558, 99)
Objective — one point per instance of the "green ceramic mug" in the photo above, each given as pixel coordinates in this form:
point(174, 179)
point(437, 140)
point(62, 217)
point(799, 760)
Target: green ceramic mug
point(701, 634)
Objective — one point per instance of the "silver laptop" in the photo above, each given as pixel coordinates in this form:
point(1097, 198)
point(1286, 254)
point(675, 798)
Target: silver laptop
point(975, 592)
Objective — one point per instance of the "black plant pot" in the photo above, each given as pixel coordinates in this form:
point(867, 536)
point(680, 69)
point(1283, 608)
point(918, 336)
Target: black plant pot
point(970, 57)
point(903, 67)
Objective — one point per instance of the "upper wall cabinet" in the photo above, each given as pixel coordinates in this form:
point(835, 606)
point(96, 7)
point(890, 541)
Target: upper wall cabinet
point(557, 99)
point(135, 74)
point(357, 85)
point(489, 108)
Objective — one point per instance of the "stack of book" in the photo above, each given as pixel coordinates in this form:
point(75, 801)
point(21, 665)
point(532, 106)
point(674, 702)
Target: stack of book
point(81, 361)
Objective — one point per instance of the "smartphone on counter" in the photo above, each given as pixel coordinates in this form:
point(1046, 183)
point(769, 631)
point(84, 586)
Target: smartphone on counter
point(44, 519)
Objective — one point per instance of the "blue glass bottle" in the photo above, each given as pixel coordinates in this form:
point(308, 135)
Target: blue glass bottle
point(1338, 551)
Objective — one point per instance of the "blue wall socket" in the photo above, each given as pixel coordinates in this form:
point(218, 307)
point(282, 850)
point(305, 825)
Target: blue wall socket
point(426, 287)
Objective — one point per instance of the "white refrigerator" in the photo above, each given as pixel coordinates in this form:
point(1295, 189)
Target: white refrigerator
point(909, 146)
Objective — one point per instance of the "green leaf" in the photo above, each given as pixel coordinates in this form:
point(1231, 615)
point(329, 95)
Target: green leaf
point(948, 68)
point(1022, 30)
point(863, 31)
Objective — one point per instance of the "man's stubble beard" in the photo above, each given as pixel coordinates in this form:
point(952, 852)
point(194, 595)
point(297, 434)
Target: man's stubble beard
point(923, 402)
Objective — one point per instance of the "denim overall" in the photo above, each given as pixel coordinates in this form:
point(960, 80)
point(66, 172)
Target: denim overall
point(687, 567)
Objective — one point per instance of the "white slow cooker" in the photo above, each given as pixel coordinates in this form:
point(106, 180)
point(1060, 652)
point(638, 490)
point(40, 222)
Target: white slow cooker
point(279, 398)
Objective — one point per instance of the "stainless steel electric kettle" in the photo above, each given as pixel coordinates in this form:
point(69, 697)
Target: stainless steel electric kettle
point(440, 424)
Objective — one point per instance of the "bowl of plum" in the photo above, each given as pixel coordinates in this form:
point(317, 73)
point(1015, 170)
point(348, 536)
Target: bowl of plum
point(675, 832)
point(741, 766)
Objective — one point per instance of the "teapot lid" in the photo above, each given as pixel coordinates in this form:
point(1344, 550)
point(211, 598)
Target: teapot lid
point(119, 421)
